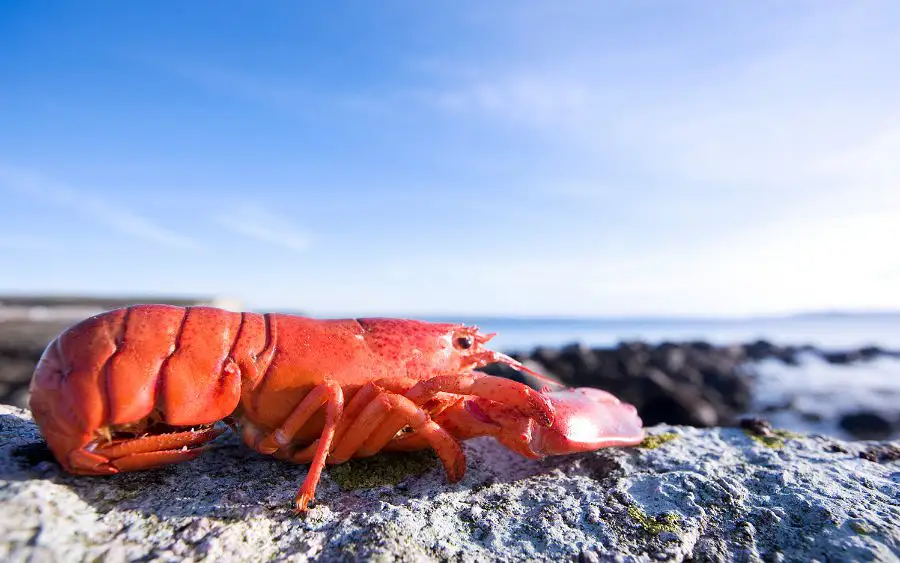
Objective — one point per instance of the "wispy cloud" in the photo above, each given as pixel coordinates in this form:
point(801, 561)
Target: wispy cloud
point(118, 218)
point(805, 114)
point(258, 223)
point(526, 97)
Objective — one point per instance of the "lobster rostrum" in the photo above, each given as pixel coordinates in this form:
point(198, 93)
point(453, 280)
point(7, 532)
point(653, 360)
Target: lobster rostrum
point(145, 386)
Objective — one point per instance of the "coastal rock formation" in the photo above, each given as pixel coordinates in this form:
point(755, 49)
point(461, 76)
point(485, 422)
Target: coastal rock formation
point(752, 493)
point(867, 425)
point(694, 384)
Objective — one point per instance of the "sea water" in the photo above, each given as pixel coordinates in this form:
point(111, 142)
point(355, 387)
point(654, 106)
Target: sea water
point(836, 332)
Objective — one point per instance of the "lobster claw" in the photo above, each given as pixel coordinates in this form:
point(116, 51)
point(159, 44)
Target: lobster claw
point(587, 419)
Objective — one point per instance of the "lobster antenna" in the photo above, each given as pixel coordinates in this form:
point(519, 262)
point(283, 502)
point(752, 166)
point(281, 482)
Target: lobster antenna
point(504, 359)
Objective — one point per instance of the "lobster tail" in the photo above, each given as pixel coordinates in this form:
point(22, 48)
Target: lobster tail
point(121, 390)
point(66, 398)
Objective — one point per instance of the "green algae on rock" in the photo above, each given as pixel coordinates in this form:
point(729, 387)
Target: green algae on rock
point(383, 469)
point(653, 441)
point(666, 522)
point(775, 440)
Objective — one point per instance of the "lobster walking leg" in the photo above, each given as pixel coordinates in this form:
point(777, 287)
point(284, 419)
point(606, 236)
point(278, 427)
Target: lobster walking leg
point(332, 417)
point(361, 398)
point(142, 453)
point(150, 460)
point(525, 399)
point(329, 394)
point(365, 395)
point(446, 446)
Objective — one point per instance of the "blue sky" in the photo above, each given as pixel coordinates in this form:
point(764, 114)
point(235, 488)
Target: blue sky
point(527, 158)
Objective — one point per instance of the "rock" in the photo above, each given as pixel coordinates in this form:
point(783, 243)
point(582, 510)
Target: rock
point(864, 354)
point(881, 453)
point(666, 401)
point(503, 370)
point(545, 355)
point(15, 376)
point(764, 350)
point(867, 425)
point(685, 494)
point(759, 350)
point(872, 352)
point(692, 383)
point(842, 358)
point(757, 426)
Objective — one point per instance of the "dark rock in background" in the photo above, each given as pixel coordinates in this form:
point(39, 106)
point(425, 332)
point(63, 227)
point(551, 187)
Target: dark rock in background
point(17, 364)
point(867, 425)
point(692, 383)
point(21, 346)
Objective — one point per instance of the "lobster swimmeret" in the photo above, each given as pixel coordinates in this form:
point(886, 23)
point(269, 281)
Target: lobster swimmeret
point(145, 386)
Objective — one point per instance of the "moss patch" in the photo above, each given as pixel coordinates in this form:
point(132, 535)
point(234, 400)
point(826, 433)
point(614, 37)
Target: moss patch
point(775, 438)
point(656, 440)
point(667, 522)
point(382, 469)
point(860, 527)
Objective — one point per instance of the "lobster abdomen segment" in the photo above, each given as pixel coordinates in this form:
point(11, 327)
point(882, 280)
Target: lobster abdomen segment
point(148, 337)
point(200, 380)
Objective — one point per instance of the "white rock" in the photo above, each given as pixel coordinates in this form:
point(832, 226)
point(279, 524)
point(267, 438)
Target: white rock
point(718, 495)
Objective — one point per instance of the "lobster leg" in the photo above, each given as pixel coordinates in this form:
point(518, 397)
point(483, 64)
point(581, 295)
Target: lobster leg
point(506, 391)
point(362, 397)
point(143, 453)
point(445, 445)
point(329, 394)
point(366, 394)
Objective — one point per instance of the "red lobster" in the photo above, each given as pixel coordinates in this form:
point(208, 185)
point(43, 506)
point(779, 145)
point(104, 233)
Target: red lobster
point(145, 386)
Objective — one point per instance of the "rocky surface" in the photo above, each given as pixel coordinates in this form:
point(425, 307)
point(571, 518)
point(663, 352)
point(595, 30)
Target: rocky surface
point(751, 493)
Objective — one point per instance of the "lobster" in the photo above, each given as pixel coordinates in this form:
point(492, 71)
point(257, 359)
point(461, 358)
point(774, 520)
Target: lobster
point(144, 386)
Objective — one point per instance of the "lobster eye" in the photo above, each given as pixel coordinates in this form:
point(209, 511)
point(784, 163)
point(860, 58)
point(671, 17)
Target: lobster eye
point(464, 342)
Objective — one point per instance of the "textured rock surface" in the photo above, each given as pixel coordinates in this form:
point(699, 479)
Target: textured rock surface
point(710, 494)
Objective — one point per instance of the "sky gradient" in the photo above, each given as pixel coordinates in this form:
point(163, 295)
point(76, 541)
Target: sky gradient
point(566, 158)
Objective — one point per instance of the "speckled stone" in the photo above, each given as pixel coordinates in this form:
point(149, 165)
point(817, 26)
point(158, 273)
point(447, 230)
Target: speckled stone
point(705, 494)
